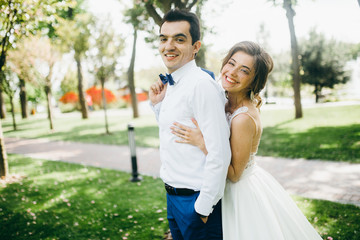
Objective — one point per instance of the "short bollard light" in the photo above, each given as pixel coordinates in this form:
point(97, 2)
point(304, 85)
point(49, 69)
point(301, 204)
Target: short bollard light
point(131, 136)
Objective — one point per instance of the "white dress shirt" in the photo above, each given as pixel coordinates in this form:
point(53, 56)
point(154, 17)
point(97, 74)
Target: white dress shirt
point(195, 95)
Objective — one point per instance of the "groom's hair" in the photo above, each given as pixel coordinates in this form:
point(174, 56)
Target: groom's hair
point(176, 15)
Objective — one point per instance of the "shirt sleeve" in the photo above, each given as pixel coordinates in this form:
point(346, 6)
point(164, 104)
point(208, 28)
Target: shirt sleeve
point(209, 110)
point(156, 108)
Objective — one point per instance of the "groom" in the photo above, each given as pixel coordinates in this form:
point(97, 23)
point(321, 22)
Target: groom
point(194, 181)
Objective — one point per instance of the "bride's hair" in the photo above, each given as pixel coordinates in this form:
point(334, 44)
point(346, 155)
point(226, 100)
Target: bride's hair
point(263, 66)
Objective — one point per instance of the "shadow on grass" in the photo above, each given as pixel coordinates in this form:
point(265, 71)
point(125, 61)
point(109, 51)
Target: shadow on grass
point(341, 143)
point(339, 221)
point(68, 201)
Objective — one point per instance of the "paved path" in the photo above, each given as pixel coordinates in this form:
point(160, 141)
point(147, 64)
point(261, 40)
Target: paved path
point(334, 181)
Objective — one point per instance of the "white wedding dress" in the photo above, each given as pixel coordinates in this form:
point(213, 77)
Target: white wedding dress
point(258, 208)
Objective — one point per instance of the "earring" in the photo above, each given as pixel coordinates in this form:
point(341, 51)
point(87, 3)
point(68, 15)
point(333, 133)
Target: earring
point(252, 95)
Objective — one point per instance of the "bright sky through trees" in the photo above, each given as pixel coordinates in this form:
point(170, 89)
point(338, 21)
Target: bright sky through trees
point(238, 20)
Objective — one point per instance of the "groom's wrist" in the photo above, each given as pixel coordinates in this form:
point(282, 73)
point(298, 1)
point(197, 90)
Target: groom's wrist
point(200, 215)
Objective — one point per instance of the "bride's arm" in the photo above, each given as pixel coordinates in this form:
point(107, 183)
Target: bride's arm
point(242, 132)
point(190, 135)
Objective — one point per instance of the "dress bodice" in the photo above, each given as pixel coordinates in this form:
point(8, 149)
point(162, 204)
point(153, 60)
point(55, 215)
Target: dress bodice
point(257, 135)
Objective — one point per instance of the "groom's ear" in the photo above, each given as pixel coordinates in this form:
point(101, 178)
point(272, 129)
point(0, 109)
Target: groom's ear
point(197, 46)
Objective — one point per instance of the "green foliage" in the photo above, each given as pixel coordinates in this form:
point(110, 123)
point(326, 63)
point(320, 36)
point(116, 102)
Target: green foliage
point(323, 62)
point(57, 200)
point(136, 17)
point(280, 79)
point(69, 83)
point(355, 50)
point(9, 83)
point(106, 49)
point(77, 7)
point(35, 94)
point(74, 34)
point(19, 18)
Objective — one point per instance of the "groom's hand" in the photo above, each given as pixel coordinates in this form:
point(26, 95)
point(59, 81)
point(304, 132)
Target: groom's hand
point(204, 219)
point(157, 92)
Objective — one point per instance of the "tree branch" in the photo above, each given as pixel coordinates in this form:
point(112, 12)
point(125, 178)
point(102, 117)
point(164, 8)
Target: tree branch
point(191, 4)
point(179, 4)
point(153, 13)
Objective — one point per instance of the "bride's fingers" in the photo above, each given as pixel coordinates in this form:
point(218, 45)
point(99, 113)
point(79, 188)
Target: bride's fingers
point(182, 141)
point(179, 130)
point(183, 127)
point(180, 135)
point(195, 122)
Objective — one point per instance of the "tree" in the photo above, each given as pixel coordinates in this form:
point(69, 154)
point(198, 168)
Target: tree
point(22, 63)
point(36, 66)
point(19, 18)
point(9, 85)
point(323, 63)
point(295, 65)
point(47, 56)
point(107, 49)
point(69, 83)
point(2, 105)
point(74, 36)
point(137, 19)
point(35, 95)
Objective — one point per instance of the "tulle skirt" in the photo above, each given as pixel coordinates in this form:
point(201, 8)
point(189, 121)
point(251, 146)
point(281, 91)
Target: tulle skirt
point(257, 207)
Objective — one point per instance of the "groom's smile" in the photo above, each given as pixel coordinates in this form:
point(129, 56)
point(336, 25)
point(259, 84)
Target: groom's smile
point(170, 56)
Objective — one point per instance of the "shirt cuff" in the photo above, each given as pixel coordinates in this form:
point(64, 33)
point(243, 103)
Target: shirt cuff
point(203, 205)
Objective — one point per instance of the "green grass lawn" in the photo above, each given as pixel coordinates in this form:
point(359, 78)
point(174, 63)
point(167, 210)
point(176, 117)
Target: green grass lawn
point(328, 133)
point(56, 200)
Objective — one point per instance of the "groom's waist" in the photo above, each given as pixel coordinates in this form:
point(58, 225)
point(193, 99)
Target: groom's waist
point(179, 191)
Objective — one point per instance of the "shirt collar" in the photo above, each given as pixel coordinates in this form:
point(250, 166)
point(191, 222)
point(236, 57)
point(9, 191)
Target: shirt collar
point(178, 74)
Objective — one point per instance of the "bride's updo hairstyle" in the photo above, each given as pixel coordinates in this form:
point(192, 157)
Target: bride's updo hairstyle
point(263, 66)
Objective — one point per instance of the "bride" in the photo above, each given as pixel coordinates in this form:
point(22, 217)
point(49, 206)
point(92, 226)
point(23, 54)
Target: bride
point(254, 206)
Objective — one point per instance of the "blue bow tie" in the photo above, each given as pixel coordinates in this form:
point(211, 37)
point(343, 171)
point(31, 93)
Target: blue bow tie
point(166, 79)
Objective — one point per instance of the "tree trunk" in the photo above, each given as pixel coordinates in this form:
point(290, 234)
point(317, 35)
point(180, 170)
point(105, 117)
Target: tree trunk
point(290, 13)
point(12, 111)
point(317, 92)
point(82, 100)
point(2, 106)
point(23, 101)
point(4, 167)
point(4, 45)
point(49, 109)
point(131, 81)
point(104, 105)
point(200, 57)
point(2, 103)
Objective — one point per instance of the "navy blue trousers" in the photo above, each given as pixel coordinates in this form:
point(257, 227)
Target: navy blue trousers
point(186, 224)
